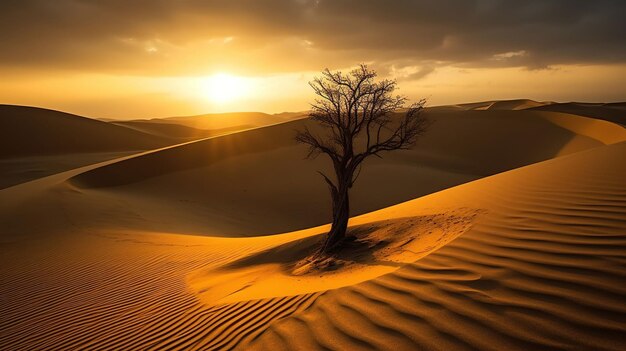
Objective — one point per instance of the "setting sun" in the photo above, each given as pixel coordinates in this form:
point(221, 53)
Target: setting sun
point(223, 88)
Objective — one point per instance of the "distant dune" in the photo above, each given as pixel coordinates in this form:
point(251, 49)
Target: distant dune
point(610, 112)
point(519, 104)
point(178, 131)
point(214, 121)
point(36, 142)
point(207, 125)
point(503, 229)
point(29, 131)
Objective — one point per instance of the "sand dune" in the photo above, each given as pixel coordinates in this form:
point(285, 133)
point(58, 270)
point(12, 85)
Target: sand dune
point(29, 131)
point(532, 258)
point(178, 131)
point(187, 128)
point(610, 112)
point(201, 181)
point(618, 105)
point(518, 104)
point(228, 120)
point(541, 268)
point(18, 170)
point(36, 142)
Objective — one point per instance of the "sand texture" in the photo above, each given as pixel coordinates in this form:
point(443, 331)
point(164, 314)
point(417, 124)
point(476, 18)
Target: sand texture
point(503, 229)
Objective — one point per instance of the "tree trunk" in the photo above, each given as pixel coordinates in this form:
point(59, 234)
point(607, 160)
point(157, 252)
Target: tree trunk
point(341, 215)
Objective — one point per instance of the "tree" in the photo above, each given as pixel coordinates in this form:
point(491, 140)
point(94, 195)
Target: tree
point(359, 117)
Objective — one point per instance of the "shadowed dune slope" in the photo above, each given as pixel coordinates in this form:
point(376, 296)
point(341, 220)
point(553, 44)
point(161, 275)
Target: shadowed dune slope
point(30, 131)
point(217, 184)
point(618, 105)
point(18, 170)
point(613, 112)
point(36, 142)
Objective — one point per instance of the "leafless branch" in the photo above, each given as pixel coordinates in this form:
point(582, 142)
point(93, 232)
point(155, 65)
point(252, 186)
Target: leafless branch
point(358, 117)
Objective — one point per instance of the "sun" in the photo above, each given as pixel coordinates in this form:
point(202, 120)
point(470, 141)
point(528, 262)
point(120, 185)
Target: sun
point(223, 88)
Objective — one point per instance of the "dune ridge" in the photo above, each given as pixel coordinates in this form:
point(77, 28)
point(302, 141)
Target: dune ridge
point(514, 104)
point(612, 112)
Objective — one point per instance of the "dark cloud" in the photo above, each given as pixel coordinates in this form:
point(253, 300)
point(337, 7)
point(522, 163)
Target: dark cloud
point(421, 73)
point(153, 37)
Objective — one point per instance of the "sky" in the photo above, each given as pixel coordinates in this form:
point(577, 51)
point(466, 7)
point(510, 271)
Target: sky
point(138, 59)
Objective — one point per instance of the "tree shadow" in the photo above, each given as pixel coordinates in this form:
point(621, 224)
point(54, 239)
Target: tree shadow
point(371, 244)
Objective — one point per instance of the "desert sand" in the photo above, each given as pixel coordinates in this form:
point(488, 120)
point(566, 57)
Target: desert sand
point(504, 228)
point(37, 142)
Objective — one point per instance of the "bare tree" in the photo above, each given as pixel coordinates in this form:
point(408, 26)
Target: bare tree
point(360, 117)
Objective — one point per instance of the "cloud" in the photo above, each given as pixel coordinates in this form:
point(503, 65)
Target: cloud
point(421, 73)
point(190, 36)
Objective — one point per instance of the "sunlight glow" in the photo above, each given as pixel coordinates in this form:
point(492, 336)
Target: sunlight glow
point(223, 88)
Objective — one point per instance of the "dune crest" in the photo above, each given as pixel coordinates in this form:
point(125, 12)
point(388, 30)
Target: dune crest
point(612, 112)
